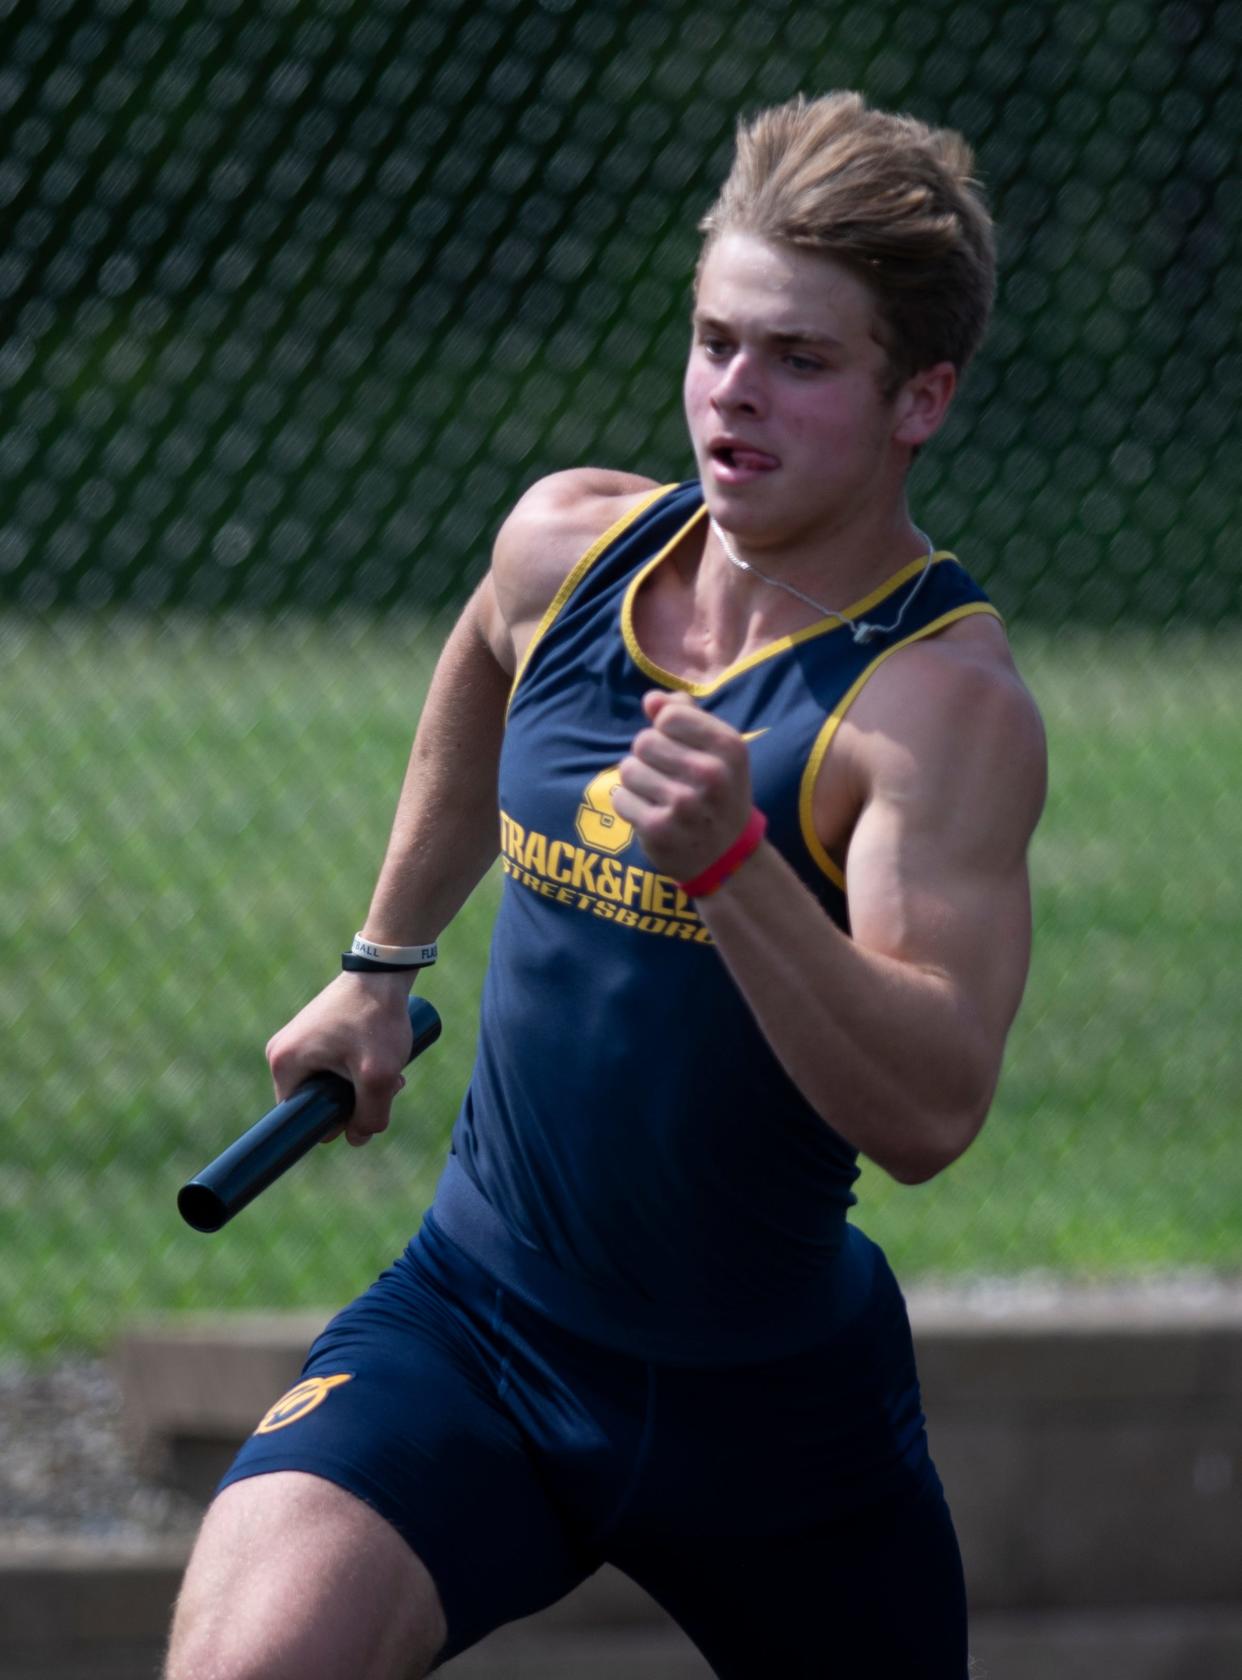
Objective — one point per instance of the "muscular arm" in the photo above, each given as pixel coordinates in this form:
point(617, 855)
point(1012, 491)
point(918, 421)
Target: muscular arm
point(443, 839)
point(894, 1035)
point(444, 835)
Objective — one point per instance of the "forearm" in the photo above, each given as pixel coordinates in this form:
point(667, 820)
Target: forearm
point(885, 1052)
point(443, 839)
point(444, 834)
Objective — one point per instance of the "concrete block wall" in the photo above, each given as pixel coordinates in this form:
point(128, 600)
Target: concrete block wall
point(1090, 1441)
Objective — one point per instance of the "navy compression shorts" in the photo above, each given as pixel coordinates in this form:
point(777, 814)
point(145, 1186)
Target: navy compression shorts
point(786, 1514)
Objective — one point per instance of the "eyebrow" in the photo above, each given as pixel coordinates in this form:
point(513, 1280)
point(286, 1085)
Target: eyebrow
point(792, 335)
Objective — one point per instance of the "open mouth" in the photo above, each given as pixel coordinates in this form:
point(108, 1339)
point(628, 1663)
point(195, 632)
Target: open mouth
point(738, 458)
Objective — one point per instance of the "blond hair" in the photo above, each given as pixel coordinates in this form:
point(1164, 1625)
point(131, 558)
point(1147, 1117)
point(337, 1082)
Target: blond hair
point(889, 198)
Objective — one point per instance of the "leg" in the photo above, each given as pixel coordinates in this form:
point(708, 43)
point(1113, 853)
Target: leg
point(789, 1516)
point(293, 1577)
point(879, 1593)
point(386, 1513)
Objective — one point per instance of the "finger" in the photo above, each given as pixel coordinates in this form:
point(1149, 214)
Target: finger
point(371, 1116)
point(658, 751)
point(694, 727)
point(657, 699)
point(359, 1131)
point(374, 1089)
point(652, 821)
point(646, 782)
point(290, 1068)
point(691, 790)
point(630, 808)
point(278, 1065)
point(679, 717)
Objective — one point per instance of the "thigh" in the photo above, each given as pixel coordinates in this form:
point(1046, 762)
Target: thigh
point(399, 1406)
point(878, 1593)
point(789, 1515)
point(292, 1575)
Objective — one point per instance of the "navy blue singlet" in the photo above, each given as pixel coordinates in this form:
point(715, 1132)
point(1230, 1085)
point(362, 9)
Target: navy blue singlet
point(630, 1157)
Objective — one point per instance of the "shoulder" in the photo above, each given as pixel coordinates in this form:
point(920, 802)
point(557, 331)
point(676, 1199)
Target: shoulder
point(543, 538)
point(552, 526)
point(963, 679)
point(947, 729)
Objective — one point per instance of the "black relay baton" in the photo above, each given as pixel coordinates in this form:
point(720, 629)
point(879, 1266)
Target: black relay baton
point(283, 1136)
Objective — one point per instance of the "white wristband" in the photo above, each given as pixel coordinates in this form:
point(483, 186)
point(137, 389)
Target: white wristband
point(413, 956)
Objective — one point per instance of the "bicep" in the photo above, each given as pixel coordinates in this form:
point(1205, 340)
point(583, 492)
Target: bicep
point(949, 905)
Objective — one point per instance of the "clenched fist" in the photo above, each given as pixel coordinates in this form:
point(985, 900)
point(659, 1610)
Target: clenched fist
point(685, 785)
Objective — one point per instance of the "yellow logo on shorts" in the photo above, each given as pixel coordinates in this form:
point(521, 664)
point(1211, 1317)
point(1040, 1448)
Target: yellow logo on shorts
point(299, 1401)
point(597, 823)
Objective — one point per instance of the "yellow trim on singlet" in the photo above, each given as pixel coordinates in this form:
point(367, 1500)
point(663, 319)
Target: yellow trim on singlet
point(579, 570)
point(821, 627)
point(810, 774)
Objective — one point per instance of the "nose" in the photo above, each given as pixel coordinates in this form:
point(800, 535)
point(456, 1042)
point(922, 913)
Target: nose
point(738, 386)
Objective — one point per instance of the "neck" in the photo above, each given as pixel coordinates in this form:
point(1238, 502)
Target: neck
point(834, 567)
point(861, 629)
point(710, 606)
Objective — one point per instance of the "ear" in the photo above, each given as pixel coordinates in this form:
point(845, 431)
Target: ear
point(922, 403)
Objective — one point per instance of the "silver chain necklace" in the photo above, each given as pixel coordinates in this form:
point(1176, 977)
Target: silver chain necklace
point(859, 628)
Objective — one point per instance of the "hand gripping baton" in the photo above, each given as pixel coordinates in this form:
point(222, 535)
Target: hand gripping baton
point(283, 1136)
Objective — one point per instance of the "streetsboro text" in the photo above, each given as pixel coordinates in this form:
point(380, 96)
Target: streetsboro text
point(625, 894)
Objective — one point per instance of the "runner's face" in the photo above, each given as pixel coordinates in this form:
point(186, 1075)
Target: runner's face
point(783, 394)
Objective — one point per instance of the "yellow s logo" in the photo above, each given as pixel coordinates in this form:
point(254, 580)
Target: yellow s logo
point(597, 823)
point(299, 1401)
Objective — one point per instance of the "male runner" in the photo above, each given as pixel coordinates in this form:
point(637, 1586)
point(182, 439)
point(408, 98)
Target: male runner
point(766, 779)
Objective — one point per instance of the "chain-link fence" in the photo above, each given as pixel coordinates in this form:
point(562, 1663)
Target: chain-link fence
point(296, 298)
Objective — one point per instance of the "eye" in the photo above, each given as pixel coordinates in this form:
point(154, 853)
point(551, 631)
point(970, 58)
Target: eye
point(803, 364)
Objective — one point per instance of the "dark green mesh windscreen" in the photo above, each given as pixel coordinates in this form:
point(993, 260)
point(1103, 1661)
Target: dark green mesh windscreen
point(296, 298)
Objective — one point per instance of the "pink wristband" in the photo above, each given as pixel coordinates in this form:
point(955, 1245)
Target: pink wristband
point(716, 874)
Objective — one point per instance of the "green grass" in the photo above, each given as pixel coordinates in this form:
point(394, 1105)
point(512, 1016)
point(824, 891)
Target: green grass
point(1111, 1145)
point(193, 819)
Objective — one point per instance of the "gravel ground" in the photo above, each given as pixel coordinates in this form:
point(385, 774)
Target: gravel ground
point(66, 1470)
